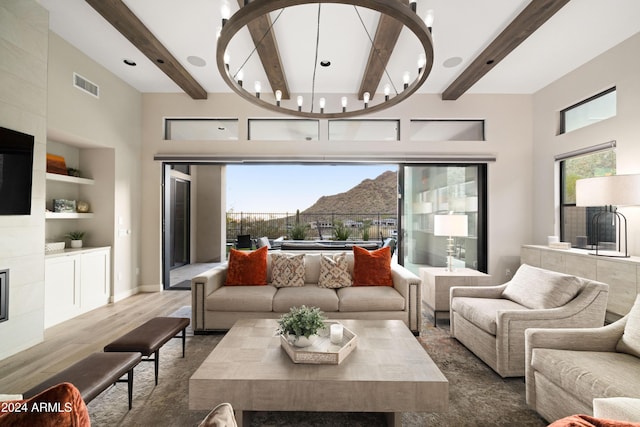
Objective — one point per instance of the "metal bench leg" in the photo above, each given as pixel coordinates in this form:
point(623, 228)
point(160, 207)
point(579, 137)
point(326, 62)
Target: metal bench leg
point(130, 387)
point(184, 340)
point(156, 363)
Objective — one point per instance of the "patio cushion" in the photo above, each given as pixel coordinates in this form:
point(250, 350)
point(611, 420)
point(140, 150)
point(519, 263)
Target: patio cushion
point(287, 270)
point(539, 288)
point(630, 340)
point(309, 295)
point(242, 298)
point(589, 374)
point(483, 312)
point(370, 298)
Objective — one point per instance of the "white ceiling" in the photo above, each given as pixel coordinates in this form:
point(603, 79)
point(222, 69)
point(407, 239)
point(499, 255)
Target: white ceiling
point(580, 31)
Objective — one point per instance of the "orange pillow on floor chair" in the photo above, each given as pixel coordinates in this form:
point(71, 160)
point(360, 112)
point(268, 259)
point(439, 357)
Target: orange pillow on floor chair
point(58, 406)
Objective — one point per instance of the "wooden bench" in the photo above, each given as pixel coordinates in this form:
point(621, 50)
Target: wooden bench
point(93, 374)
point(150, 336)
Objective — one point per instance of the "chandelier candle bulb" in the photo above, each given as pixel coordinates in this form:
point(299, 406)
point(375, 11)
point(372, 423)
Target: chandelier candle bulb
point(366, 96)
point(405, 78)
point(225, 12)
point(343, 100)
point(322, 102)
point(428, 20)
point(240, 76)
point(422, 60)
point(258, 87)
point(336, 332)
point(300, 100)
point(278, 97)
point(413, 5)
point(387, 91)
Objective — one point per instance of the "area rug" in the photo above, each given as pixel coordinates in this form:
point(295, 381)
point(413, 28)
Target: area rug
point(477, 395)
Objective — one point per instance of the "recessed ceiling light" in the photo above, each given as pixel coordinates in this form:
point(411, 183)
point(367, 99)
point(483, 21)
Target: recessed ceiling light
point(325, 63)
point(196, 60)
point(454, 61)
point(130, 62)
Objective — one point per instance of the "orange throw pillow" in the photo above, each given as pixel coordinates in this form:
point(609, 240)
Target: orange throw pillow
point(372, 268)
point(247, 268)
point(60, 405)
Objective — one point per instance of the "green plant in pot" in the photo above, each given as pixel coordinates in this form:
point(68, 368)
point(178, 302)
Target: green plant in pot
point(301, 325)
point(76, 238)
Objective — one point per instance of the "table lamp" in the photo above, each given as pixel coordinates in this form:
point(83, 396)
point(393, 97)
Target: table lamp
point(610, 192)
point(451, 226)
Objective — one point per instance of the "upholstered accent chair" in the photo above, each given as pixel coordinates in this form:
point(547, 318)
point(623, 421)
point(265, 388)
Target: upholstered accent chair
point(491, 320)
point(570, 371)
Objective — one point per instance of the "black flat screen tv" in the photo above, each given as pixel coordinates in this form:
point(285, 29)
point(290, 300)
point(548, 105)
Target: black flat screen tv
point(16, 172)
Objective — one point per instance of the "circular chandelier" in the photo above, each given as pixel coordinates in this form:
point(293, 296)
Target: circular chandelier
point(398, 10)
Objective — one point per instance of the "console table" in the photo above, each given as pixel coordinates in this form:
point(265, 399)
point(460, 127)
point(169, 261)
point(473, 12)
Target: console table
point(436, 282)
point(621, 274)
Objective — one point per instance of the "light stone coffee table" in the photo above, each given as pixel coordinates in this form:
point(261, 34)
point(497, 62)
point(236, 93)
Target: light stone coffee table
point(388, 372)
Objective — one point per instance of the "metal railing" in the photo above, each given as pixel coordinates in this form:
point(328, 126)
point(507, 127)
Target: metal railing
point(323, 226)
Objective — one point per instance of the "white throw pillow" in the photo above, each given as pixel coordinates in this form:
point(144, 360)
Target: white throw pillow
point(538, 288)
point(630, 340)
point(287, 270)
point(334, 271)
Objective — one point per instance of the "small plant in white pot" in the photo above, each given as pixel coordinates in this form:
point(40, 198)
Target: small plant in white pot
point(76, 238)
point(301, 325)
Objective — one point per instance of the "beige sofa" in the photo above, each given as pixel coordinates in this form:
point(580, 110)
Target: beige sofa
point(491, 320)
point(216, 307)
point(570, 370)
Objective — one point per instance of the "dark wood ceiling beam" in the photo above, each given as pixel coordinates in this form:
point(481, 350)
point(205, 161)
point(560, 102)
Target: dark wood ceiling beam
point(267, 48)
point(526, 23)
point(384, 42)
point(123, 20)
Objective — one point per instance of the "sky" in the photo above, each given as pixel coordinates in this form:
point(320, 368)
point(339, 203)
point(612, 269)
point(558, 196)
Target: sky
point(285, 188)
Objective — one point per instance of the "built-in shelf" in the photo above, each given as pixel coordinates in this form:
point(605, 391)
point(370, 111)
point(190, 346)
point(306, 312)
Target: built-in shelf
point(69, 179)
point(67, 215)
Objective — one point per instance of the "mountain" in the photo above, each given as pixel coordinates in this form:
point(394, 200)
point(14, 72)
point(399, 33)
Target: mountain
point(370, 196)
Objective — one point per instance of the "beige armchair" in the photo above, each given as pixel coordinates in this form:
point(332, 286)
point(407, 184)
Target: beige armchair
point(570, 371)
point(491, 320)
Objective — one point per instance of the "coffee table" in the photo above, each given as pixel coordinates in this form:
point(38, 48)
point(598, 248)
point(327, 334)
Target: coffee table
point(388, 372)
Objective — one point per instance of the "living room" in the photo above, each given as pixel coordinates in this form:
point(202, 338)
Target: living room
point(522, 139)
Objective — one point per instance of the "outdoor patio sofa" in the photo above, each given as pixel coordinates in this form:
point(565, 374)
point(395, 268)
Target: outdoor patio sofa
point(216, 307)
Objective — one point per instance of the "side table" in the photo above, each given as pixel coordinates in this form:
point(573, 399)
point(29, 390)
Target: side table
point(436, 282)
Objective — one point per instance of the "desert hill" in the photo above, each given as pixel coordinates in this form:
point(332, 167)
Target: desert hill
point(371, 195)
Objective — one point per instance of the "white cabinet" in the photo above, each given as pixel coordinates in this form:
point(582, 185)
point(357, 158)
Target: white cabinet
point(76, 281)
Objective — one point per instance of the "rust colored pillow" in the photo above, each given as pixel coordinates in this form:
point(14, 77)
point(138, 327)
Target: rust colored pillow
point(60, 405)
point(372, 268)
point(589, 421)
point(247, 268)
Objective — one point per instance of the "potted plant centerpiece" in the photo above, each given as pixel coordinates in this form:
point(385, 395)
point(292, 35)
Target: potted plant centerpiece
point(76, 238)
point(301, 325)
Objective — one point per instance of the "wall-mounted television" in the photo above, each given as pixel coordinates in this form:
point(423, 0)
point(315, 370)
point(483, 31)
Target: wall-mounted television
point(16, 172)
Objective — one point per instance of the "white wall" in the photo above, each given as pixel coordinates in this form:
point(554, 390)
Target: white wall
point(112, 121)
point(619, 67)
point(509, 138)
point(23, 107)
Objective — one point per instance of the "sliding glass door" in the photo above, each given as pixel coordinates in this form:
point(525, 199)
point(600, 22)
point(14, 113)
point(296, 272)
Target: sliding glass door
point(441, 189)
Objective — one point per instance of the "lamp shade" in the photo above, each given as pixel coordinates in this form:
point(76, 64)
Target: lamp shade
point(616, 190)
point(450, 225)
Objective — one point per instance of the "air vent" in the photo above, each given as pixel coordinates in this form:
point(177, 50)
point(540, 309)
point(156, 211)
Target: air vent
point(85, 85)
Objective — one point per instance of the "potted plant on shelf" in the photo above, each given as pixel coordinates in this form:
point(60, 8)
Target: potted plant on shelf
point(301, 325)
point(76, 238)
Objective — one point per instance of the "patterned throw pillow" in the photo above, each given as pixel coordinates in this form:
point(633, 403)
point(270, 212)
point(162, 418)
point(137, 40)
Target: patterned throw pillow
point(287, 270)
point(372, 268)
point(334, 271)
point(247, 268)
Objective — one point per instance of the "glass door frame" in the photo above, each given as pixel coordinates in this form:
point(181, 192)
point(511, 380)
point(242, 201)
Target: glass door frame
point(482, 236)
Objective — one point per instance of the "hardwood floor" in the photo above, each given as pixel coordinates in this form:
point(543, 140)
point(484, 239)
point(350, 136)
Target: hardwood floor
point(70, 341)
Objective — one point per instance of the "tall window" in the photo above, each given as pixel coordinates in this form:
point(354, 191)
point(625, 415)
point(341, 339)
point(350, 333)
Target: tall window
point(575, 221)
